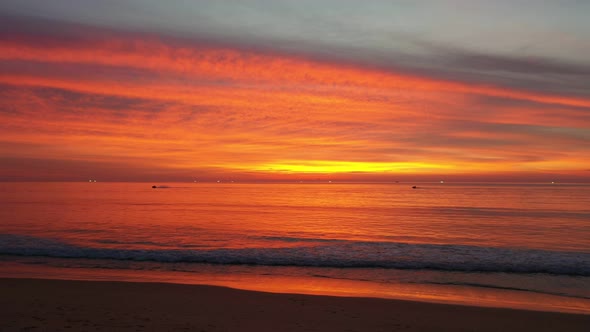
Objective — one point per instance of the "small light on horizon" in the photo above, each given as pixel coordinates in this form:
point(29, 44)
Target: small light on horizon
point(441, 181)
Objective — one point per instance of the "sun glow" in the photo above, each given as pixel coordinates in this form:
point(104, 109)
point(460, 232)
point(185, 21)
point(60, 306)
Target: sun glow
point(335, 167)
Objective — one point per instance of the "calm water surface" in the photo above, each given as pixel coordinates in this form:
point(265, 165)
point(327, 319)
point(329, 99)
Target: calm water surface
point(509, 245)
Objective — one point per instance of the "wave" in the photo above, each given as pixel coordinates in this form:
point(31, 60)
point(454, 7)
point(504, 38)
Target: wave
point(297, 239)
point(470, 284)
point(150, 243)
point(521, 289)
point(344, 254)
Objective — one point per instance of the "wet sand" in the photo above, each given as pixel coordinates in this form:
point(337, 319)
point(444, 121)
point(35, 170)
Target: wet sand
point(64, 305)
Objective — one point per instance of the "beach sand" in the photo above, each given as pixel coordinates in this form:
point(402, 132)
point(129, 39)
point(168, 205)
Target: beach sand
point(64, 305)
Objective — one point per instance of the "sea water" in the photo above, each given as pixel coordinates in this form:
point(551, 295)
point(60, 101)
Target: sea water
point(506, 245)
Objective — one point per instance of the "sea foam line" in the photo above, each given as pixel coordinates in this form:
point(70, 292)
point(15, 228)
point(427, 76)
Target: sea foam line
point(344, 254)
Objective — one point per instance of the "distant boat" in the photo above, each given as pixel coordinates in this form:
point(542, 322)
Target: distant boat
point(154, 187)
point(414, 187)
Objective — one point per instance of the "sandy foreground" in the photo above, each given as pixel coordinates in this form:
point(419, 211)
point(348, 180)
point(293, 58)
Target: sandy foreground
point(63, 305)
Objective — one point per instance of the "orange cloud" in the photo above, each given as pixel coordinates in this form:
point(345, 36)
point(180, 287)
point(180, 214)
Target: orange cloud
point(206, 110)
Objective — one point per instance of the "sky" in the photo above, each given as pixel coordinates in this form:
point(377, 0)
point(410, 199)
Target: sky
point(146, 90)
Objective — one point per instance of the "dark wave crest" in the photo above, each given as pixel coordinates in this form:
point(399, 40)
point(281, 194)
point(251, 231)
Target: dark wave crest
point(341, 254)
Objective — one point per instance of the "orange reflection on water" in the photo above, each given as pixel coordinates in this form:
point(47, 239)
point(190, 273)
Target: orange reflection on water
point(277, 283)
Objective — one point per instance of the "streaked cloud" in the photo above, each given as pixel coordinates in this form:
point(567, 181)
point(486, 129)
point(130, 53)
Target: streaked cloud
point(142, 101)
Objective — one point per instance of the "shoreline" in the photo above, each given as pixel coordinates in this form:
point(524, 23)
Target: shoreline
point(274, 281)
point(53, 304)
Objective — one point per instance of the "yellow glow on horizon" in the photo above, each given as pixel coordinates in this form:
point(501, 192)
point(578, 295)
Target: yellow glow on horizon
point(333, 167)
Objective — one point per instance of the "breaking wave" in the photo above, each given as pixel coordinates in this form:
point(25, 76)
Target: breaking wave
point(339, 254)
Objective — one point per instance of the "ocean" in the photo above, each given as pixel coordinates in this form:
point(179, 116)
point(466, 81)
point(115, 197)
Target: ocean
point(504, 245)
